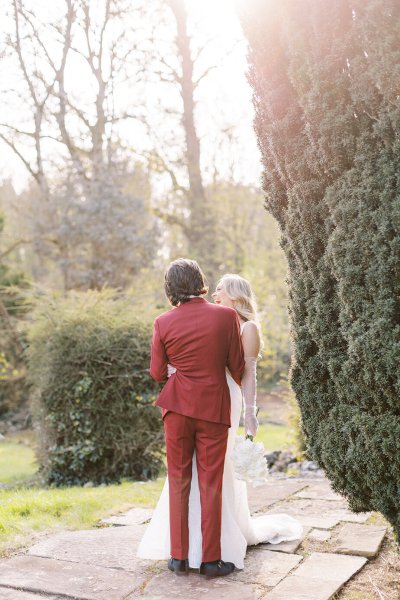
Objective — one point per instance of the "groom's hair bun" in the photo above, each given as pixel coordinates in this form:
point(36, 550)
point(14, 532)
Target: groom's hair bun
point(184, 278)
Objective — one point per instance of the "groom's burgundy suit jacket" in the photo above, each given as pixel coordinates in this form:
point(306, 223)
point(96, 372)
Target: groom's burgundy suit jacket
point(200, 340)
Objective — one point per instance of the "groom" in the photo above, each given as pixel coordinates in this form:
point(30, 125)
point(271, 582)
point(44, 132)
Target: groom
point(199, 339)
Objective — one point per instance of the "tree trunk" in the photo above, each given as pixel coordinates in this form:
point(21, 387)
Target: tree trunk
point(201, 232)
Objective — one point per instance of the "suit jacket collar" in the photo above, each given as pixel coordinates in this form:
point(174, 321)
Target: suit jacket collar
point(194, 300)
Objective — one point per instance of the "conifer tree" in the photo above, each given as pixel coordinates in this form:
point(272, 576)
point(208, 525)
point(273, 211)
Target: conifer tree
point(326, 83)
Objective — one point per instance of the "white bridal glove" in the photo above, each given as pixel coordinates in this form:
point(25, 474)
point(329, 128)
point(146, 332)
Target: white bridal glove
point(249, 389)
point(170, 370)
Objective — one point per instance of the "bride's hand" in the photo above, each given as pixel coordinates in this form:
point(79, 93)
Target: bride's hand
point(251, 422)
point(170, 370)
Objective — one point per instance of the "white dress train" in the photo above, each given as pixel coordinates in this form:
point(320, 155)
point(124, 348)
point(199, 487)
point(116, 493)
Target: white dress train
point(238, 530)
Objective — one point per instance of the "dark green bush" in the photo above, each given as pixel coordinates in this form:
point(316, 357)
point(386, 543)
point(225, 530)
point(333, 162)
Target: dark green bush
point(13, 307)
point(93, 395)
point(14, 389)
point(325, 77)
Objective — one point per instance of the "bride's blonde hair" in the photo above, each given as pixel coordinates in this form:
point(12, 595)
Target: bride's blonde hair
point(240, 292)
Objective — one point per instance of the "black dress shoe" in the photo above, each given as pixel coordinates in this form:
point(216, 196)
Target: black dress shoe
point(217, 568)
point(179, 567)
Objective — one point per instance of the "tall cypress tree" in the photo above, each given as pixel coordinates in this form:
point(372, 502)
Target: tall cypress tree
point(326, 81)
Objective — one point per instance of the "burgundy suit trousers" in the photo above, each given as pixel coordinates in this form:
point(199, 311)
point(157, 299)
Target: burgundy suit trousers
point(183, 435)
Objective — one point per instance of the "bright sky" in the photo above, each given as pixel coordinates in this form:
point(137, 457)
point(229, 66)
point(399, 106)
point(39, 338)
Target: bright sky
point(224, 97)
point(227, 87)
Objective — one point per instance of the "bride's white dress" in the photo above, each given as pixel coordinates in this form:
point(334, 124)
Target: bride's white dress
point(239, 529)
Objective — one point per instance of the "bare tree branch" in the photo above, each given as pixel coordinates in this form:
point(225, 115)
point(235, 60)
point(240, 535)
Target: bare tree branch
point(38, 39)
point(62, 95)
point(13, 147)
point(170, 69)
point(203, 75)
point(160, 165)
point(23, 242)
point(19, 131)
point(102, 32)
point(90, 57)
point(172, 219)
point(31, 134)
point(18, 48)
point(79, 113)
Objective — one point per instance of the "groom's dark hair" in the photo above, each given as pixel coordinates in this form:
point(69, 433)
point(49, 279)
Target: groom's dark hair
point(184, 278)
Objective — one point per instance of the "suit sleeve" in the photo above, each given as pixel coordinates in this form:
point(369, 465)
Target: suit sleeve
point(158, 356)
point(236, 362)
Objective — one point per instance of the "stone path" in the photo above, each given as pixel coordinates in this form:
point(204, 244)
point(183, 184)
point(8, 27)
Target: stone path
point(100, 564)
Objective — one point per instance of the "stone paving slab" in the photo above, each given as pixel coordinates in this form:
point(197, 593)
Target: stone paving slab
point(113, 547)
point(10, 594)
point(330, 567)
point(319, 577)
point(360, 540)
point(312, 506)
point(266, 495)
point(287, 547)
point(320, 535)
point(86, 582)
point(195, 587)
point(349, 516)
point(330, 509)
point(317, 522)
point(135, 516)
point(310, 520)
point(266, 568)
point(302, 588)
point(319, 491)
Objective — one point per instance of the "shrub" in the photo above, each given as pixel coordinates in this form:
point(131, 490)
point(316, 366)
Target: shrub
point(13, 306)
point(327, 118)
point(14, 389)
point(92, 392)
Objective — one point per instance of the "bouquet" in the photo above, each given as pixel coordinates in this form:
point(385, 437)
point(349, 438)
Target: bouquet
point(249, 462)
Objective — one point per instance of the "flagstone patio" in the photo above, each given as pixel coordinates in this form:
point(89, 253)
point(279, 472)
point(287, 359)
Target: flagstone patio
point(100, 564)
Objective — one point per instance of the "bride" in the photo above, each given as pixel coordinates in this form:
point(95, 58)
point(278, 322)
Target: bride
point(238, 529)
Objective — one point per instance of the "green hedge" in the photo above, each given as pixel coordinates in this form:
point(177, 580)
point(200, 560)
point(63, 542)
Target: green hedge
point(92, 392)
point(13, 307)
point(324, 76)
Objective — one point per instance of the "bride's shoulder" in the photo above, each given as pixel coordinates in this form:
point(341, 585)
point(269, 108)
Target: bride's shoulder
point(251, 338)
point(249, 326)
point(250, 331)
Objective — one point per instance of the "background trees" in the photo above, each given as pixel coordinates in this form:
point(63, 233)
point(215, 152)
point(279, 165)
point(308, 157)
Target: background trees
point(131, 156)
point(92, 201)
point(105, 94)
point(120, 172)
point(325, 79)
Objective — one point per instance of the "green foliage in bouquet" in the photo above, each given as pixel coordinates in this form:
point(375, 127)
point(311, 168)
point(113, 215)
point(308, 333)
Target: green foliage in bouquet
point(325, 77)
point(92, 392)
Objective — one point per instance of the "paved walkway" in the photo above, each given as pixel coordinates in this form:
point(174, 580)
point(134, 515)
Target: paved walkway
point(100, 564)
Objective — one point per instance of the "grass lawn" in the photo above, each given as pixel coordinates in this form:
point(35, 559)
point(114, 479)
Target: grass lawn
point(274, 437)
point(17, 463)
point(26, 509)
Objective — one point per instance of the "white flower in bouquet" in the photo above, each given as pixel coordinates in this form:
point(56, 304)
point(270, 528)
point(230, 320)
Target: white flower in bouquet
point(249, 462)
